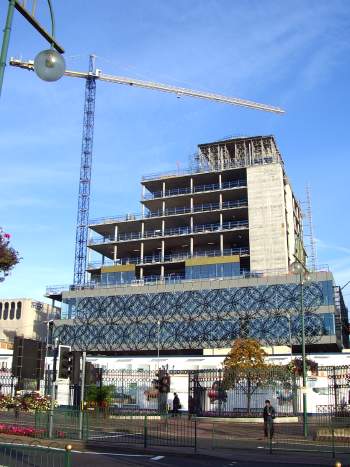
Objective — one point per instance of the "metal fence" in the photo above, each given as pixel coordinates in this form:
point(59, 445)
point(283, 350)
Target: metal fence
point(132, 392)
point(215, 392)
point(13, 454)
point(108, 429)
point(225, 393)
point(8, 384)
point(219, 393)
point(151, 430)
point(103, 427)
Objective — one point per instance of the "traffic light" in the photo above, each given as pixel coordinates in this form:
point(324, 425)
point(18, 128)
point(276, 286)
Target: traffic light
point(65, 357)
point(93, 375)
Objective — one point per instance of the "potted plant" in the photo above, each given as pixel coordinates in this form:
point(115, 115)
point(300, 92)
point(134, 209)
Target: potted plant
point(100, 397)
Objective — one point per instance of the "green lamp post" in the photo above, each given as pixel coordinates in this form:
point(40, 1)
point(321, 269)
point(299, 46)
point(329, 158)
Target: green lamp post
point(49, 64)
point(300, 270)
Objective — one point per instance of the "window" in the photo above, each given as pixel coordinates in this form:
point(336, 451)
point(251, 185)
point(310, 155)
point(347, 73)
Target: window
point(120, 277)
point(327, 288)
point(6, 310)
point(206, 271)
point(328, 324)
point(12, 310)
point(19, 310)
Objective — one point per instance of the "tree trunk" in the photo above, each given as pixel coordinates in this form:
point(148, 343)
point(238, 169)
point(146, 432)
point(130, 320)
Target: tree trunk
point(249, 394)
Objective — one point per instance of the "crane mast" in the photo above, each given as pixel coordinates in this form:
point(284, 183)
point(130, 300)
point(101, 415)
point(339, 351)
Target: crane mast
point(88, 135)
point(81, 237)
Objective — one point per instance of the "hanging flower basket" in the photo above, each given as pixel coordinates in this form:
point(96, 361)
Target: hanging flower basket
point(295, 367)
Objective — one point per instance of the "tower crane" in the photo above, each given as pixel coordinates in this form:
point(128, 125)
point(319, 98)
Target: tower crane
point(88, 133)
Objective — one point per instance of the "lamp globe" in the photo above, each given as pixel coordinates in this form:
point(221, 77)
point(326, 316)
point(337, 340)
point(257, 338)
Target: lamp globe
point(49, 65)
point(296, 268)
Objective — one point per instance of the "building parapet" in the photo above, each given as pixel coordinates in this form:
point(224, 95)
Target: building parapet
point(266, 275)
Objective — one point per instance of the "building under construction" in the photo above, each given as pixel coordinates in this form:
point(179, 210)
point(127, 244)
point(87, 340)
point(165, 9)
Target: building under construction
point(234, 213)
point(206, 261)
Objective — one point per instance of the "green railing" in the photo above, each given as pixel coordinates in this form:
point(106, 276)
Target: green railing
point(63, 424)
point(19, 455)
point(104, 427)
point(109, 429)
point(150, 430)
point(59, 424)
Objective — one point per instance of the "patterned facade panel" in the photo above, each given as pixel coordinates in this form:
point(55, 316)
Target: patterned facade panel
point(195, 319)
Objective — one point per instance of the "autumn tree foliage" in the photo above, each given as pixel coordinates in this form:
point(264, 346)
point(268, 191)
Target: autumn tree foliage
point(245, 354)
point(9, 257)
point(245, 368)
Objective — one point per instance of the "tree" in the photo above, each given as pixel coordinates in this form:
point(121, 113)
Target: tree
point(245, 367)
point(9, 257)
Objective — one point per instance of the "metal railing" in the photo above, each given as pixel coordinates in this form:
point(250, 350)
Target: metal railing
point(17, 454)
point(197, 169)
point(244, 274)
point(171, 211)
point(196, 189)
point(147, 430)
point(175, 231)
point(170, 257)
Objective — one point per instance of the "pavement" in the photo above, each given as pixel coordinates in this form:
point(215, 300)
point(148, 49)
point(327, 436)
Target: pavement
point(220, 443)
point(233, 459)
point(163, 456)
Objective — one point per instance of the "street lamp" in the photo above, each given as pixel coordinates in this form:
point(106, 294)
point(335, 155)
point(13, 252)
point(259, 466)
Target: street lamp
point(300, 270)
point(158, 341)
point(49, 64)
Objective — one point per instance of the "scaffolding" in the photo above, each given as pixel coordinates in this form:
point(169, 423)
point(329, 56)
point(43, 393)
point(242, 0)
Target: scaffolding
point(309, 233)
point(238, 152)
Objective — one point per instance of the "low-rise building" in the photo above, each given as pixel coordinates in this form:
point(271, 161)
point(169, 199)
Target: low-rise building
point(25, 317)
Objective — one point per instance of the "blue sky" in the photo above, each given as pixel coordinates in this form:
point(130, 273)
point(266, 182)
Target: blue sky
point(291, 54)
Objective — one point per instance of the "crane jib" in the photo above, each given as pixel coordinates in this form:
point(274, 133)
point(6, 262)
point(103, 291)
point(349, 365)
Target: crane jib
point(160, 87)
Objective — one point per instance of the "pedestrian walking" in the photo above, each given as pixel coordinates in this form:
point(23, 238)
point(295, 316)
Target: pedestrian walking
point(176, 405)
point(269, 415)
point(191, 407)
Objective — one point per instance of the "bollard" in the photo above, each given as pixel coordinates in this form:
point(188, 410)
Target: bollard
point(68, 456)
point(195, 434)
point(337, 464)
point(145, 434)
point(333, 443)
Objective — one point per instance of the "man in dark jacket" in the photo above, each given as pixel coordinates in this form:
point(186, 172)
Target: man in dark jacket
point(176, 405)
point(269, 415)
